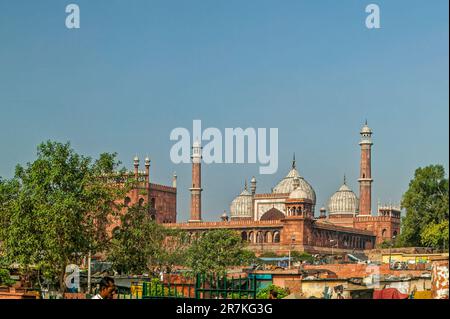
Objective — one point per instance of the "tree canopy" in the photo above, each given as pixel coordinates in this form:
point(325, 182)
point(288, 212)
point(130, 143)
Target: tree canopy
point(141, 245)
point(427, 210)
point(53, 211)
point(216, 250)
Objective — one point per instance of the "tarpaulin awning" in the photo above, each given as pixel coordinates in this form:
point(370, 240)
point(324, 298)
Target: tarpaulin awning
point(389, 293)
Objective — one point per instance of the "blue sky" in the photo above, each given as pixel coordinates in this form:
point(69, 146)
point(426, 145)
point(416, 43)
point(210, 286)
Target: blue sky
point(137, 69)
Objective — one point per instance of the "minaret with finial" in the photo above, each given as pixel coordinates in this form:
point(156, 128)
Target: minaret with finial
point(147, 171)
point(174, 180)
point(196, 189)
point(296, 179)
point(136, 167)
point(365, 175)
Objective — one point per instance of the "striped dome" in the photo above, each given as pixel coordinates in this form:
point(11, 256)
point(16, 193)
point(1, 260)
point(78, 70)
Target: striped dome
point(241, 206)
point(344, 201)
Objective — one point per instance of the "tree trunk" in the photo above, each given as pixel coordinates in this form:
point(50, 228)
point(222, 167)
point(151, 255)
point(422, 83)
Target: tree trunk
point(62, 283)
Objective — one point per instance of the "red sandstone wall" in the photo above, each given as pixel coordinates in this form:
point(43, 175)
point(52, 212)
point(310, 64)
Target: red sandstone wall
point(377, 224)
point(165, 205)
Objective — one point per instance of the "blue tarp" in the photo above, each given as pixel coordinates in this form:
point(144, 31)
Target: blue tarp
point(274, 258)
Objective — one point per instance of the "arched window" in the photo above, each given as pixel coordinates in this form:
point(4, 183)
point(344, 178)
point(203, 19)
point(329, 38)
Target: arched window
point(244, 236)
point(251, 236)
point(383, 233)
point(127, 201)
point(259, 237)
point(276, 237)
point(268, 237)
point(141, 201)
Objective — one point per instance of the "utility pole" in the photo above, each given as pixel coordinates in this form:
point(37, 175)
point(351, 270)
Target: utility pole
point(89, 273)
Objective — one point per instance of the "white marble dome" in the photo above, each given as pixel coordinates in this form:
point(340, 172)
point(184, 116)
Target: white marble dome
point(241, 206)
point(294, 181)
point(344, 201)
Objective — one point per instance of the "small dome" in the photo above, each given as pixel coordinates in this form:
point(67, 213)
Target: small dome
point(241, 206)
point(273, 214)
point(136, 158)
point(366, 129)
point(299, 193)
point(197, 144)
point(344, 201)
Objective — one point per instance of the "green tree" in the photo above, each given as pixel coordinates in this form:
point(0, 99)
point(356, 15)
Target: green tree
point(141, 245)
point(426, 204)
point(56, 208)
point(9, 190)
point(216, 250)
point(264, 292)
point(435, 234)
point(5, 278)
point(301, 256)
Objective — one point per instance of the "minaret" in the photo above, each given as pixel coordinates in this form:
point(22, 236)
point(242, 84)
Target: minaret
point(147, 171)
point(136, 167)
point(196, 189)
point(135, 190)
point(365, 175)
point(174, 180)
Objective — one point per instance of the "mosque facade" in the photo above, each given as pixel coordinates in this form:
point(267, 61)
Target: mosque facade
point(284, 219)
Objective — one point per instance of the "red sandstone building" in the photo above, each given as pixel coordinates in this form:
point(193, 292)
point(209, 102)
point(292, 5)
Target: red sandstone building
point(284, 219)
point(161, 199)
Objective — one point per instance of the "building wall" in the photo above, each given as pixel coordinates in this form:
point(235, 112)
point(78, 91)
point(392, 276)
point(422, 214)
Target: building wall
point(439, 281)
point(164, 200)
point(384, 227)
point(293, 233)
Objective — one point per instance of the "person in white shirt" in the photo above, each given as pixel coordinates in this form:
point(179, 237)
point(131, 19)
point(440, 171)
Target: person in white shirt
point(107, 289)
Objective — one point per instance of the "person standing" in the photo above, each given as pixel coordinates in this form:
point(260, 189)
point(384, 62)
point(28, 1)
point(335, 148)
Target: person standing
point(107, 289)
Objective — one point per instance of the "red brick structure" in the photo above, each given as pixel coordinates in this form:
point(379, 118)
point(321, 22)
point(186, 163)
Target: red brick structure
point(161, 199)
point(365, 177)
point(196, 189)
